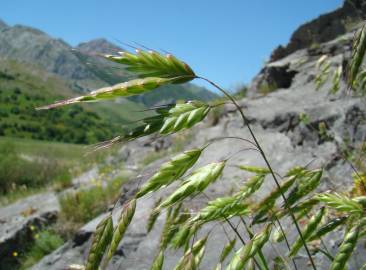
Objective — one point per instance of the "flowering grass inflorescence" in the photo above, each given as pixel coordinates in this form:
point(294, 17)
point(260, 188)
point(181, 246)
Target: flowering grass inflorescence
point(296, 188)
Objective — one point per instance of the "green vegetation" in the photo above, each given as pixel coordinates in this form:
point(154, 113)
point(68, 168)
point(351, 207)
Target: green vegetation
point(267, 87)
point(45, 242)
point(30, 166)
point(23, 89)
point(79, 207)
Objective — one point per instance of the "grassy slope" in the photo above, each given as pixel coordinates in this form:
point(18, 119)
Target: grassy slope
point(22, 88)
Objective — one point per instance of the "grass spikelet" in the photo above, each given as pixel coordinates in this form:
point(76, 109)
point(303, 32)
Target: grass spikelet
point(341, 203)
point(305, 186)
point(254, 169)
point(158, 261)
point(221, 208)
point(269, 201)
point(227, 249)
point(154, 64)
point(153, 216)
point(337, 75)
point(184, 115)
point(166, 235)
point(346, 249)
point(278, 236)
point(192, 256)
point(358, 53)
point(307, 232)
point(101, 240)
point(230, 206)
point(218, 266)
point(184, 234)
point(330, 226)
point(248, 251)
point(170, 171)
point(125, 219)
point(360, 82)
point(195, 183)
point(323, 67)
point(251, 186)
point(126, 89)
point(296, 171)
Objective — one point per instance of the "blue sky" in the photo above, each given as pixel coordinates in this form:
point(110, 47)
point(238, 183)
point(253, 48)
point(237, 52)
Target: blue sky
point(227, 41)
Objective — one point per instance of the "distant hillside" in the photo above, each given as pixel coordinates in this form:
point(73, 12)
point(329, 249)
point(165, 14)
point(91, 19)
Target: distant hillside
point(83, 69)
point(22, 88)
point(37, 69)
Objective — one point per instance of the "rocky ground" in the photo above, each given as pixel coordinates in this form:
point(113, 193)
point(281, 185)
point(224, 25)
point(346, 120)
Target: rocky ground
point(286, 139)
point(277, 120)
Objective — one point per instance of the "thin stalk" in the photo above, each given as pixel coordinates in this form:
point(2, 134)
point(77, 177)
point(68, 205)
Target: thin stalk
point(286, 240)
point(246, 123)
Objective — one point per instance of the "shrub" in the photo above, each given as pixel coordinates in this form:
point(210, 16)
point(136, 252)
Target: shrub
point(79, 207)
point(45, 242)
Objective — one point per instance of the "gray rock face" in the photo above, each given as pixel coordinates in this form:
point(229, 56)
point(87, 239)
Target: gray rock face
point(286, 140)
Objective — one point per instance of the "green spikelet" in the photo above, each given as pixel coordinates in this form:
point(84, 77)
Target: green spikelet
point(251, 186)
point(336, 79)
point(221, 208)
point(126, 89)
point(296, 171)
point(153, 64)
point(360, 82)
point(250, 265)
point(170, 171)
point(306, 185)
point(341, 203)
point(184, 234)
point(346, 249)
point(328, 227)
point(158, 261)
point(184, 115)
point(125, 219)
point(253, 169)
point(278, 236)
point(307, 233)
point(192, 256)
point(102, 238)
point(358, 53)
point(195, 183)
point(171, 228)
point(218, 266)
point(153, 216)
point(230, 206)
point(248, 251)
point(269, 201)
point(167, 233)
point(227, 249)
point(323, 67)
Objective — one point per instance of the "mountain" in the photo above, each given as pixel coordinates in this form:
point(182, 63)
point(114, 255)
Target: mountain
point(100, 45)
point(80, 66)
point(28, 56)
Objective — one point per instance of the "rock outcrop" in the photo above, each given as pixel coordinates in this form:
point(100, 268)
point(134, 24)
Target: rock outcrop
point(325, 28)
